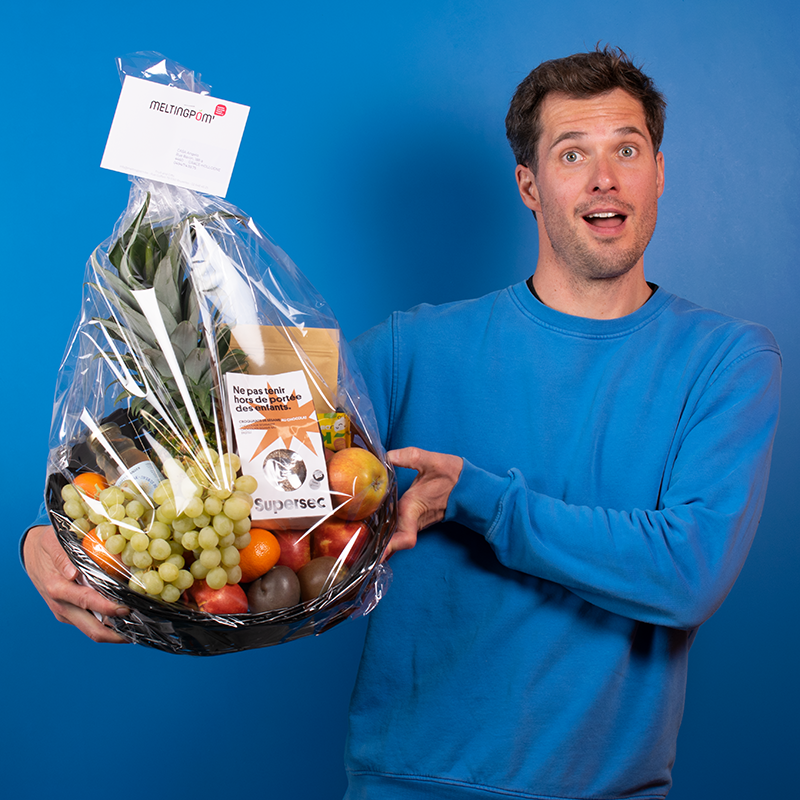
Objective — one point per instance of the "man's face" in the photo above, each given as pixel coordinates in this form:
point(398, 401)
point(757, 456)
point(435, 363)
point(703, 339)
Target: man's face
point(597, 185)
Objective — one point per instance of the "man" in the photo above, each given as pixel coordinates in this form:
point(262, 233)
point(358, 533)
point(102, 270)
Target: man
point(595, 459)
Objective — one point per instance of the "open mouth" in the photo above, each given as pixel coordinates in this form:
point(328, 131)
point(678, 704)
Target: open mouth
point(605, 219)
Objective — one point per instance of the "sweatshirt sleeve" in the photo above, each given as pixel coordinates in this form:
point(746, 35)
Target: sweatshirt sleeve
point(374, 351)
point(672, 565)
point(42, 518)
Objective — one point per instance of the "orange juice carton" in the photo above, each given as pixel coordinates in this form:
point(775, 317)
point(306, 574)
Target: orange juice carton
point(335, 429)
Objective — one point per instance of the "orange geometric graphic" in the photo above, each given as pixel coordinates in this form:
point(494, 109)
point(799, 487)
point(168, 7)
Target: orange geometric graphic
point(283, 421)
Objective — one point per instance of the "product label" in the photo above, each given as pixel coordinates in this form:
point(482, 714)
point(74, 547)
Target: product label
point(335, 429)
point(145, 475)
point(178, 137)
point(280, 445)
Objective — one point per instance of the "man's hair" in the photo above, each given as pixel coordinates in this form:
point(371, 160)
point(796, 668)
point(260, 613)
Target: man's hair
point(579, 76)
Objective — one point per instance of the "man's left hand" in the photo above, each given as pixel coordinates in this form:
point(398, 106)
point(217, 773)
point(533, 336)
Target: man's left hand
point(426, 499)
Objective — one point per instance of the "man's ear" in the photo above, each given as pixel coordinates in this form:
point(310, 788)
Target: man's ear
point(660, 173)
point(526, 182)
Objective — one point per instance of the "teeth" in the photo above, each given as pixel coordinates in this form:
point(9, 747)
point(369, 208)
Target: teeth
point(604, 214)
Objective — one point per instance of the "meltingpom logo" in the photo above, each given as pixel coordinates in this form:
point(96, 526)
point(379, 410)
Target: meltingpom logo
point(220, 110)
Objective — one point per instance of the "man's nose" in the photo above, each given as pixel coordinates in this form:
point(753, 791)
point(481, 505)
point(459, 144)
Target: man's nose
point(604, 176)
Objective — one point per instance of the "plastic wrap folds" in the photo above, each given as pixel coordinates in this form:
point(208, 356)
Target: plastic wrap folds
point(214, 462)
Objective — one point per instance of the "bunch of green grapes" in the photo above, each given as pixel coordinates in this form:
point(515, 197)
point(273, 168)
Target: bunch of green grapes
point(193, 526)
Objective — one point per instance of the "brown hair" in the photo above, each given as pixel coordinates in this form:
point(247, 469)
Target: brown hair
point(579, 75)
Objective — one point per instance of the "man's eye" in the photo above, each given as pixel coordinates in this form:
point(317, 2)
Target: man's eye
point(571, 157)
point(627, 152)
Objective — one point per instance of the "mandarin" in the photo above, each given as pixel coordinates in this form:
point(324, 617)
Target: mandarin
point(260, 556)
point(90, 483)
point(96, 550)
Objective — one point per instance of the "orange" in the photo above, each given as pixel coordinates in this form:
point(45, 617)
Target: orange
point(96, 550)
point(260, 556)
point(90, 483)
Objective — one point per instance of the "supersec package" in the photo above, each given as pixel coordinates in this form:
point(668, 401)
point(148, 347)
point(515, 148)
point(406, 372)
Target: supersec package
point(214, 462)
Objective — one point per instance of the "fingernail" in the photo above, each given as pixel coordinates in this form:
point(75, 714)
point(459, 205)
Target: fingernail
point(122, 612)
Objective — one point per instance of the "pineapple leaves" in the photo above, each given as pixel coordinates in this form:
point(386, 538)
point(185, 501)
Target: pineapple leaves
point(224, 340)
point(166, 282)
point(139, 257)
point(159, 361)
point(152, 257)
point(135, 324)
point(170, 323)
point(235, 361)
point(184, 339)
point(230, 359)
point(123, 243)
point(123, 293)
point(197, 364)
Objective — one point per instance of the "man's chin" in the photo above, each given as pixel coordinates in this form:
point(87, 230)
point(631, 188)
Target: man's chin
point(593, 267)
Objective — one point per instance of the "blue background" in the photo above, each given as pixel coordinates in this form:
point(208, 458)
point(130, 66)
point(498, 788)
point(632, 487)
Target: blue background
point(375, 156)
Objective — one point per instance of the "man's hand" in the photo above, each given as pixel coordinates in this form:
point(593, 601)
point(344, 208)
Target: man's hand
point(53, 575)
point(426, 499)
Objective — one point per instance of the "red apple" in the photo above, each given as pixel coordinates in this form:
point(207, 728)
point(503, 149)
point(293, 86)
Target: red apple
point(358, 482)
point(295, 548)
point(230, 599)
point(333, 536)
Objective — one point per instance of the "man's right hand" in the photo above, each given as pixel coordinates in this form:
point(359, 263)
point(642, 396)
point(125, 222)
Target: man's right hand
point(54, 575)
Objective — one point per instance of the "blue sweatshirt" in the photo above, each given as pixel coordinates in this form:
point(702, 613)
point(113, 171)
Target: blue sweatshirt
point(535, 644)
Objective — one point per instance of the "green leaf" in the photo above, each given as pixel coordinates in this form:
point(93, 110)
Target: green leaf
point(115, 302)
point(175, 255)
point(128, 274)
point(170, 323)
point(129, 333)
point(117, 285)
point(184, 339)
point(140, 326)
point(205, 401)
point(223, 339)
point(122, 244)
point(166, 287)
point(162, 237)
point(151, 258)
point(235, 361)
point(137, 253)
point(202, 400)
point(134, 366)
point(206, 383)
point(158, 361)
point(191, 306)
point(114, 330)
point(140, 253)
point(197, 362)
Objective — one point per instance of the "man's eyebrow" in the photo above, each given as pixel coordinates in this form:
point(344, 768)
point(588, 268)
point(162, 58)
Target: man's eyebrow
point(627, 130)
point(567, 135)
point(630, 130)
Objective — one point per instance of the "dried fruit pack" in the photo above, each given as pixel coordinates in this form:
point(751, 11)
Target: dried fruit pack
point(214, 463)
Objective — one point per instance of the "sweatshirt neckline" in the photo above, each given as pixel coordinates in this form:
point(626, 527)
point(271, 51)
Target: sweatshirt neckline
point(585, 326)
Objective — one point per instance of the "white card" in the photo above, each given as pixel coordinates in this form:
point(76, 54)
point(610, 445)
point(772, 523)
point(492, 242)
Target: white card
point(174, 136)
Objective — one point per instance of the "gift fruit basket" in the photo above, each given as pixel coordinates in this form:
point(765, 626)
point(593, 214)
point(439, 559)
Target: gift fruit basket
point(214, 459)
